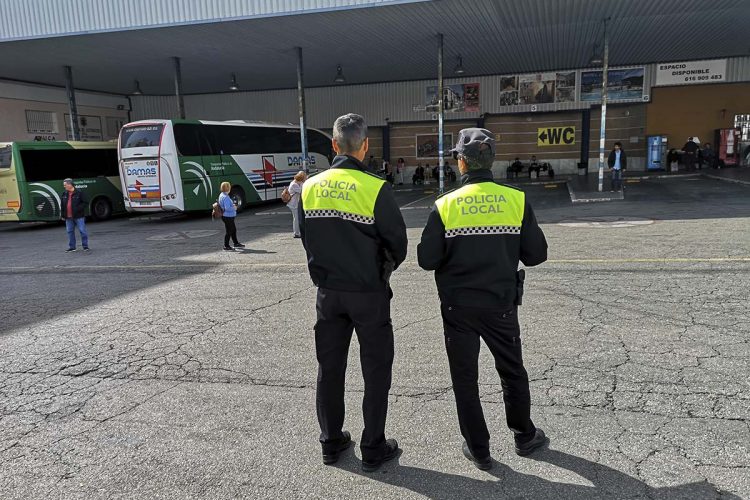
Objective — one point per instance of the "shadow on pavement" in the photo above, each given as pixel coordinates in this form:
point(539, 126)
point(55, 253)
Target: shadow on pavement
point(504, 482)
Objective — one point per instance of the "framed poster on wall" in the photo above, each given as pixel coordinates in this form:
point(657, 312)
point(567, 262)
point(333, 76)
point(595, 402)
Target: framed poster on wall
point(456, 98)
point(537, 88)
point(427, 145)
point(622, 85)
point(508, 91)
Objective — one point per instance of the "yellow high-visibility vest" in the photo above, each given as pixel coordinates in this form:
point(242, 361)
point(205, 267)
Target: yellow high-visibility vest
point(482, 208)
point(342, 192)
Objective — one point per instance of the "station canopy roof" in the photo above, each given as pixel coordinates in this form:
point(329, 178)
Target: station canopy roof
point(387, 41)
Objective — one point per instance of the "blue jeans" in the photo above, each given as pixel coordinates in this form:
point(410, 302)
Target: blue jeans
point(616, 179)
point(70, 225)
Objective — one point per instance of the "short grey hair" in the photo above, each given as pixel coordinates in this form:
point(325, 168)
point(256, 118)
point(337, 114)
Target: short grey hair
point(68, 181)
point(349, 132)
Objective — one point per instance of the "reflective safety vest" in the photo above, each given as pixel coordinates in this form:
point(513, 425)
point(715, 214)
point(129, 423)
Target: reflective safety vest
point(482, 208)
point(343, 193)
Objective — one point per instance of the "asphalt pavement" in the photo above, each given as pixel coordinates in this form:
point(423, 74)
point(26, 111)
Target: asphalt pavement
point(159, 366)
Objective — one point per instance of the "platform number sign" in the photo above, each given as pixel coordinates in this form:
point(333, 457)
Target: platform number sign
point(556, 136)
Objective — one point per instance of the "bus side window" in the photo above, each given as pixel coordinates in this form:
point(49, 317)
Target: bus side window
point(6, 156)
point(187, 140)
point(238, 140)
point(45, 165)
point(207, 141)
point(319, 143)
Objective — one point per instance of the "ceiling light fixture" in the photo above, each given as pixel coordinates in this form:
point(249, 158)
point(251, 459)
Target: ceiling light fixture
point(137, 90)
point(459, 69)
point(233, 86)
point(596, 57)
point(339, 75)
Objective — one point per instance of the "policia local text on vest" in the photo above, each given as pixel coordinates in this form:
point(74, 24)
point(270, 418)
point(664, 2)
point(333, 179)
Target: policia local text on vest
point(474, 239)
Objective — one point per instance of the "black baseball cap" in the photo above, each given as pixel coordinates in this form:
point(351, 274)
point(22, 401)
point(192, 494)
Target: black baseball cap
point(476, 145)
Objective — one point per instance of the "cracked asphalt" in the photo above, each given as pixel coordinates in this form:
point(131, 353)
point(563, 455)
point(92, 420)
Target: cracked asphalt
point(157, 366)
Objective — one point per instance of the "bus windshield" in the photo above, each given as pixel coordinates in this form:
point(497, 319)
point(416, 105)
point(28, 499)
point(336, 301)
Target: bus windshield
point(6, 155)
point(140, 136)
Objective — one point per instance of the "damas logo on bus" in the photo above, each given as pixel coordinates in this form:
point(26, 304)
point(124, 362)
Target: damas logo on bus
point(142, 171)
point(339, 190)
point(298, 161)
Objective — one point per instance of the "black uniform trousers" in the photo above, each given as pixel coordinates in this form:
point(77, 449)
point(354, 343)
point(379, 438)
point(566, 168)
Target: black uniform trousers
point(499, 329)
point(369, 313)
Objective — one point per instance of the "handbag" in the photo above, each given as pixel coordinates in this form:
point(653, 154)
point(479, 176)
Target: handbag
point(216, 211)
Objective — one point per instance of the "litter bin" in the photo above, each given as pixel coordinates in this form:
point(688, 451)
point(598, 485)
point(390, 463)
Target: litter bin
point(583, 168)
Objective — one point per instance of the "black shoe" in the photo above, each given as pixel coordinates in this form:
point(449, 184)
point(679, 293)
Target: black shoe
point(86, 249)
point(239, 245)
point(228, 249)
point(392, 451)
point(481, 464)
point(70, 250)
point(298, 236)
point(344, 444)
point(536, 442)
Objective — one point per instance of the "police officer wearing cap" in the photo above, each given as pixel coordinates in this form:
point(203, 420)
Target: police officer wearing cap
point(354, 236)
point(474, 239)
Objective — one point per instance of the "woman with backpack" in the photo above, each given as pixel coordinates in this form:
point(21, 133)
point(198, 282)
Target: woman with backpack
point(228, 213)
point(293, 192)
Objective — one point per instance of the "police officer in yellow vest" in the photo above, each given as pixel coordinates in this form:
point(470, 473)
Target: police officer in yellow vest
point(474, 239)
point(354, 236)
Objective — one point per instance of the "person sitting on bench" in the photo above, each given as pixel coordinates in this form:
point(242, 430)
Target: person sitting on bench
point(534, 166)
point(515, 168)
point(418, 177)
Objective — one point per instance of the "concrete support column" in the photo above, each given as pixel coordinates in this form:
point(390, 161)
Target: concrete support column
point(441, 116)
point(603, 128)
point(301, 105)
point(70, 90)
point(178, 87)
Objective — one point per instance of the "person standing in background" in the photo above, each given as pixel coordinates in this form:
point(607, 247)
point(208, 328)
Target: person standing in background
point(708, 156)
point(400, 166)
point(295, 189)
point(617, 162)
point(691, 154)
point(73, 206)
point(228, 213)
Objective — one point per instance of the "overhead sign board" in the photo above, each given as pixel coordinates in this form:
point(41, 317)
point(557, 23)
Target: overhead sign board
point(556, 136)
point(691, 72)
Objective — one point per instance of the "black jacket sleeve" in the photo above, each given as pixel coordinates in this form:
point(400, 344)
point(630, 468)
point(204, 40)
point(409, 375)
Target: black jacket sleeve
point(390, 225)
point(431, 249)
point(533, 243)
point(610, 160)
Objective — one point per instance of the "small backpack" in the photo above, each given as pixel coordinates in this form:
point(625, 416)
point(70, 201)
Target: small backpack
point(286, 196)
point(216, 211)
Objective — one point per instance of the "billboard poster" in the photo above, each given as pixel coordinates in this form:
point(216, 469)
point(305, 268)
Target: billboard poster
point(456, 98)
point(622, 85)
point(537, 88)
point(508, 90)
point(471, 97)
point(691, 72)
point(565, 87)
point(428, 147)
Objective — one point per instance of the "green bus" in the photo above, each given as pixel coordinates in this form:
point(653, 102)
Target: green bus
point(32, 174)
point(178, 165)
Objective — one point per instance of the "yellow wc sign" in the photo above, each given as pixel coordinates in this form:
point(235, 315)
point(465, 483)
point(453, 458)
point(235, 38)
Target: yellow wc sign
point(555, 136)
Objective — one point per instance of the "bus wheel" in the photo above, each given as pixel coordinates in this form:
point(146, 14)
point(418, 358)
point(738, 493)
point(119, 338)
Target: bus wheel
point(237, 194)
point(101, 209)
